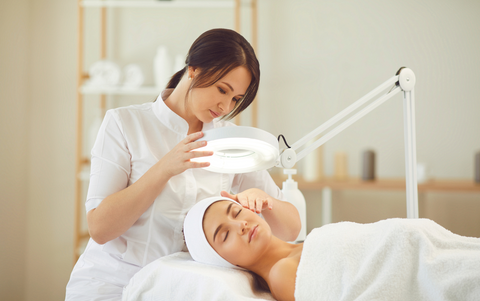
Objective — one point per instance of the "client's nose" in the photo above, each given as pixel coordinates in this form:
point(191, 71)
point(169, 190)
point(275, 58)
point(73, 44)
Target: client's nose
point(242, 226)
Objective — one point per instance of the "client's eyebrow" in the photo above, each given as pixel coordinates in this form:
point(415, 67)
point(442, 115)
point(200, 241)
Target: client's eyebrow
point(220, 227)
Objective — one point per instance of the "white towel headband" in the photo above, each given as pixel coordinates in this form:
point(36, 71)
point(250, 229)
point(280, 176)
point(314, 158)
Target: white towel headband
point(197, 243)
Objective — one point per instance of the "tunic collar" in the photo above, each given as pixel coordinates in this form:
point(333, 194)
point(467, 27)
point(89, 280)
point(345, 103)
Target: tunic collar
point(170, 119)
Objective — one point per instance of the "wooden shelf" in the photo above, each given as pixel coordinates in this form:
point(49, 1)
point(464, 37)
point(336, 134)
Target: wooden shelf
point(158, 4)
point(120, 90)
point(450, 185)
point(383, 184)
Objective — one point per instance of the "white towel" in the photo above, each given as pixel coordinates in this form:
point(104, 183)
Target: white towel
point(394, 259)
point(178, 277)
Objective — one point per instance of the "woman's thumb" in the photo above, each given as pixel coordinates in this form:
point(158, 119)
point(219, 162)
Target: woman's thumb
point(228, 195)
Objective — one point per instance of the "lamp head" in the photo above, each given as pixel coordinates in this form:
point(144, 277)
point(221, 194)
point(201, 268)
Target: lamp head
point(239, 149)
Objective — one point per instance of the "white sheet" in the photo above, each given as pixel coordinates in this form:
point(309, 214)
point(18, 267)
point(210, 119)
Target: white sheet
point(395, 259)
point(178, 277)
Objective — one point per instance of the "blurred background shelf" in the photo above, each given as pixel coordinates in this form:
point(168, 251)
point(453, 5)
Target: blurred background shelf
point(94, 90)
point(433, 185)
point(158, 4)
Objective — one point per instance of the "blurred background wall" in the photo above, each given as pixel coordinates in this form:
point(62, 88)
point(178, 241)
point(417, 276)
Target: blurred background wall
point(316, 58)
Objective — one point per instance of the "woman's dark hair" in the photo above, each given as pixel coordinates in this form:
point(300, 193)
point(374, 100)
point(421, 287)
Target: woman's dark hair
point(259, 284)
point(215, 53)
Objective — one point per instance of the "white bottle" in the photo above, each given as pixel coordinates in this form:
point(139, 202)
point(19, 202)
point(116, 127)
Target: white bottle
point(179, 63)
point(162, 69)
point(295, 196)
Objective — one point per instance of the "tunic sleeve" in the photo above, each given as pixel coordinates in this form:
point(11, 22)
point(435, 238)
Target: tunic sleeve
point(110, 164)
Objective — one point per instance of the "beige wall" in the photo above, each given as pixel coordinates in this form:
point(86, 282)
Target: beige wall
point(14, 112)
point(51, 148)
point(316, 58)
point(37, 109)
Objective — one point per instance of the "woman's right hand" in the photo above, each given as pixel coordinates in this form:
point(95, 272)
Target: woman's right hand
point(177, 160)
point(119, 211)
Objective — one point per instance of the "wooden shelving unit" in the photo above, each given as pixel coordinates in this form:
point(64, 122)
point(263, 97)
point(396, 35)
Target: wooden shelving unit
point(327, 185)
point(82, 163)
point(384, 184)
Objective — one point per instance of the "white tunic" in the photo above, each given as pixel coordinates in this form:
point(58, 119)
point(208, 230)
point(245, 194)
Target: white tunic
point(130, 141)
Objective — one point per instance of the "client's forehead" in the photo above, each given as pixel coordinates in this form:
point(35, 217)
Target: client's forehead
point(217, 211)
point(213, 217)
point(218, 207)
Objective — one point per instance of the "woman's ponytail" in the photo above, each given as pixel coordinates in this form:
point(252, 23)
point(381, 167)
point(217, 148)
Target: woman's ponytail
point(175, 79)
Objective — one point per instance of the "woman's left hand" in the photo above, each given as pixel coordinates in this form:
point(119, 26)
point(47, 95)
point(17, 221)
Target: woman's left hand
point(253, 199)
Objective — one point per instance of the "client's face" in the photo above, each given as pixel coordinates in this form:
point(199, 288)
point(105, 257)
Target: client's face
point(235, 233)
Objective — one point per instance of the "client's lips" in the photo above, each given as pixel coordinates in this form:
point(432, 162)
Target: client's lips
point(252, 233)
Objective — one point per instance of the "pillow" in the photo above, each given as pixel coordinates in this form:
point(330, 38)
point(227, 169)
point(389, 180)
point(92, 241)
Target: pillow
point(179, 277)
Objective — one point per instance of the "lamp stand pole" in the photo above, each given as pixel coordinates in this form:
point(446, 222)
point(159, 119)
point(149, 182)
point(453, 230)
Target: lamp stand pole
point(406, 81)
point(410, 154)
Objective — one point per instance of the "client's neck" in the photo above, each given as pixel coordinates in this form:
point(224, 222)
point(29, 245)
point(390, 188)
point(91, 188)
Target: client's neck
point(276, 250)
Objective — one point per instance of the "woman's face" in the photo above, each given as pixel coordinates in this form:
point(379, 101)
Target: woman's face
point(235, 233)
point(220, 98)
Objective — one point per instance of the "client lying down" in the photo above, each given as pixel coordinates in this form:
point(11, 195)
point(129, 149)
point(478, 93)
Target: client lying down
point(394, 259)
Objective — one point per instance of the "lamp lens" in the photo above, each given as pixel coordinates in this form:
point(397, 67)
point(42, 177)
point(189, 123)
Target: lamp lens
point(234, 153)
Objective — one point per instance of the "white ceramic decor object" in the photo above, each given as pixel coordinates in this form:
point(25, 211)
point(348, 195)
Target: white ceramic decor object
point(104, 73)
point(162, 69)
point(179, 63)
point(133, 76)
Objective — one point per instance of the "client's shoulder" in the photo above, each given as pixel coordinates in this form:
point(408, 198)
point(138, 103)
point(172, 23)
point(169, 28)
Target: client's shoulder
point(282, 278)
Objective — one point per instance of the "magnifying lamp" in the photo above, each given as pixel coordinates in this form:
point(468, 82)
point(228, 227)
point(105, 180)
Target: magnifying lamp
point(241, 149)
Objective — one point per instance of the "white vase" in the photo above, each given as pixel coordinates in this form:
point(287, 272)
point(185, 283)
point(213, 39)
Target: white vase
point(179, 63)
point(162, 69)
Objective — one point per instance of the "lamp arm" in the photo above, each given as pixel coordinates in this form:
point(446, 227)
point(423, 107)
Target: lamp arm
point(332, 133)
point(289, 156)
point(405, 82)
point(344, 113)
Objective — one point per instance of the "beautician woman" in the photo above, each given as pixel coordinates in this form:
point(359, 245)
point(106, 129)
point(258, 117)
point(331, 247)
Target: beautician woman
point(142, 181)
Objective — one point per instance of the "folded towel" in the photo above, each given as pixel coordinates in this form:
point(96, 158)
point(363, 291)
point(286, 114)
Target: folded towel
point(394, 259)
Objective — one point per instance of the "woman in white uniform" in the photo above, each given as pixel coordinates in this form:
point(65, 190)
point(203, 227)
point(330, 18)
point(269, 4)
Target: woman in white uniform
point(142, 181)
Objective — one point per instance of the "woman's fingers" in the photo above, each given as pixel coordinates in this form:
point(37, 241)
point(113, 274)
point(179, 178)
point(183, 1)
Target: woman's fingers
point(270, 203)
point(190, 145)
point(259, 205)
point(228, 195)
point(192, 164)
point(243, 201)
point(252, 199)
point(251, 204)
point(199, 154)
point(194, 145)
point(193, 137)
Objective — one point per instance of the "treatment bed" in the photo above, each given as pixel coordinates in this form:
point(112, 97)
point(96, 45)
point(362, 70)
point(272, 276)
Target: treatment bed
point(393, 259)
